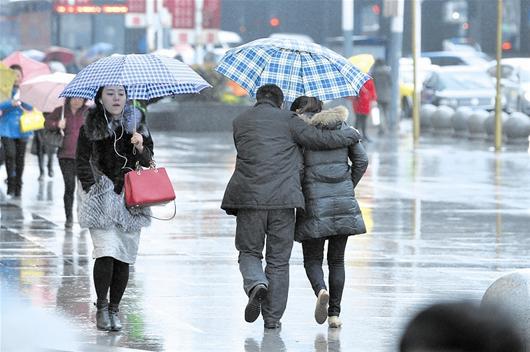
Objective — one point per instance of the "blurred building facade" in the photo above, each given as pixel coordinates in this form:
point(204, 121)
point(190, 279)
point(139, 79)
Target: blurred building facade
point(128, 24)
point(458, 21)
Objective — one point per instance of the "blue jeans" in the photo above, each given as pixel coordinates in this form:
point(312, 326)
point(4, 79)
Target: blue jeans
point(313, 257)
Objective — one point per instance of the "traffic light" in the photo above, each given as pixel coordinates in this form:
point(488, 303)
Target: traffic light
point(274, 22)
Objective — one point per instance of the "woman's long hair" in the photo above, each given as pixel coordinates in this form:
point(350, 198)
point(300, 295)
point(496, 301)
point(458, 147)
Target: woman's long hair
point(67, 102)
point(305, 104)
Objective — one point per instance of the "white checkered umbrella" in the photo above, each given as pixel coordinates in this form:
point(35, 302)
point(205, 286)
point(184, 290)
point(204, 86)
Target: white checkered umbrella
point(298, 68)
point(145, 76)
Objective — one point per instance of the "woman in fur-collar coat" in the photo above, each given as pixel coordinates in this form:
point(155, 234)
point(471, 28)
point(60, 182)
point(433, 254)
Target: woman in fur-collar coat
point(331, 210)
point(111, 142)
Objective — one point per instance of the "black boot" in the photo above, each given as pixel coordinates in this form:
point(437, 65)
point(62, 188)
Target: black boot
point(102, 315)
point(115, 323)
point(18, 191)
point(11, 186)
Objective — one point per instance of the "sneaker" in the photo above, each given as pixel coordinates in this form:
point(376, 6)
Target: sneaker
point(334, 322)
point(273, 325)
point(257, 295)
point(321, 308)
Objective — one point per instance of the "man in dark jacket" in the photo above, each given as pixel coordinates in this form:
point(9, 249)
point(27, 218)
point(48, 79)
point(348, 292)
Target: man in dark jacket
point(264, 192)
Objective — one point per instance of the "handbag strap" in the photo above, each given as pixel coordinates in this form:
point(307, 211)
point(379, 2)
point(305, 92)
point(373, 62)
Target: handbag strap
point(172, 216)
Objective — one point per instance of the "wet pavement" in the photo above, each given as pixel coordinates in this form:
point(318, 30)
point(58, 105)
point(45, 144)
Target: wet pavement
point(444, 221)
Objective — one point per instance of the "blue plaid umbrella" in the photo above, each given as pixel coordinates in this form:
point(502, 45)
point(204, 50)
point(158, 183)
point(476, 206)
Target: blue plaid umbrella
point(145, 76)
point(298, 68)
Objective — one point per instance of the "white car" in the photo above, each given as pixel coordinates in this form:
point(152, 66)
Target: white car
point(515, 82)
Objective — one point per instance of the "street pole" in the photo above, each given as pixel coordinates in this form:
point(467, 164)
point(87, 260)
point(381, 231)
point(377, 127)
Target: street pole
point(159, 27)
point(498, 101)
point(150, 15)
point(396, 41)
point(347, 27)
point(416, 51)
point(199, 54)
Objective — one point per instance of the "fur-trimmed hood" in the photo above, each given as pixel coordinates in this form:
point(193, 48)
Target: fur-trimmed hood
point(97, 128)
point(329, 117)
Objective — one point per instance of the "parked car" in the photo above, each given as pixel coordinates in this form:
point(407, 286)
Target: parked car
point(515, 82)
point(457, 58)
point(406, 81)
point(458, 86)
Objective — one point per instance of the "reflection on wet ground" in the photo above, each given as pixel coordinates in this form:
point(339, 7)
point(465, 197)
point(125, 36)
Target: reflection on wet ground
point(444, 220)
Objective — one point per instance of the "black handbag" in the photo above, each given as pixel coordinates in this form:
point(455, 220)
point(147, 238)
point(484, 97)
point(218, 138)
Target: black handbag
point(53, 138)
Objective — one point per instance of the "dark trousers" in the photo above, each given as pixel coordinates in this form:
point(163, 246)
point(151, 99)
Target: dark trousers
point(68, 170)
point(313, 256)
point(42, 150)
point(360, 124)
point(276, 227)
point(15, 152)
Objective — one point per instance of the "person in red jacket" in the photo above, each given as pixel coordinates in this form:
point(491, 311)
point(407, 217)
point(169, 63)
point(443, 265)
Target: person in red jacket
point(362, 105)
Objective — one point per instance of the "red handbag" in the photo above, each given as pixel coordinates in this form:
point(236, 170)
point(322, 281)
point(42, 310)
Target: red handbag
point(147, 187)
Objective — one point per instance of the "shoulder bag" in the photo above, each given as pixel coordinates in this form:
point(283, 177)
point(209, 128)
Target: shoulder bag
point(31, 121)
point(148, 187)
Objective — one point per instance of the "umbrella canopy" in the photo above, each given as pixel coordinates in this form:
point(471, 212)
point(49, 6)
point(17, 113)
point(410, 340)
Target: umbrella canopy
point(363, 62)
point(7, 79)
point(57, 53)
point(43, 91)
point(298, 68)
point(30, 67)
point(98, 49)
point(145, 76)
point(34, 54)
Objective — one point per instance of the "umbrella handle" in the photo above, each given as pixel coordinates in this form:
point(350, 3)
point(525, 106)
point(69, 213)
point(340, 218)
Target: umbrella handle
point(61, 131)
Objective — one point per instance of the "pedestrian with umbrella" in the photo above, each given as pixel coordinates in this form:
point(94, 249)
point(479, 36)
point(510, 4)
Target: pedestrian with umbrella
point(263, 193)
point(106, 150)
point(113, 141)
point(66, 121)
point(265, 189)
point(331, 211)
point(42, 92)
point(14, 141)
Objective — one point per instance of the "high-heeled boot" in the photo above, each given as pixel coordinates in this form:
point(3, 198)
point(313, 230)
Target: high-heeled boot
point(115, 323)
point(102, 315)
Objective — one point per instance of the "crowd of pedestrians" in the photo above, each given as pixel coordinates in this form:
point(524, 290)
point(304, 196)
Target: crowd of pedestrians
point(295, 178)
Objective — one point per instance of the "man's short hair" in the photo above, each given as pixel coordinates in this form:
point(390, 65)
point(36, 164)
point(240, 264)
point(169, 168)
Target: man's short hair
point(270, 92)
point(16, 67)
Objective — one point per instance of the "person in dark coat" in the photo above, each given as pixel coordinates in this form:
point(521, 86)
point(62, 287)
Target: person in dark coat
point(331, 211)
point(42, 150)
point(383, 85)
point(68, 119)
point(264, 192)
point(108, 148)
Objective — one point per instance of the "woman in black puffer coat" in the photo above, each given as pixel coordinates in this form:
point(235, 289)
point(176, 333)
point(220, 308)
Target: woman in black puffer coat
point(331, 210)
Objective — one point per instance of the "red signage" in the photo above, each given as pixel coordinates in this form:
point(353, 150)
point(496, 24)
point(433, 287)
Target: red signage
point(211, 14)
point(136, 6)
point(183, 12)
